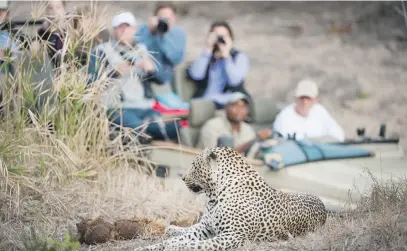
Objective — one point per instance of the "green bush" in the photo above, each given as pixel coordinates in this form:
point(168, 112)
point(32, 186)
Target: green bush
point(33, 243)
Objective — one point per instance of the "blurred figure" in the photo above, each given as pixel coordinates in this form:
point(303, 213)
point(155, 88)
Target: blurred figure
point(122, 55)
point(52, 32)
point(165, 41)
point(88, 31)
point(56, 8)
point(232, 126)
point(121, 52)
point(220, 69)
point(9, 40)
point(306, 118)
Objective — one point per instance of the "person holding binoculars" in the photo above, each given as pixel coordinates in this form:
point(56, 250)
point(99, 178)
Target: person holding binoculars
point(220, 70)
point(165, 41)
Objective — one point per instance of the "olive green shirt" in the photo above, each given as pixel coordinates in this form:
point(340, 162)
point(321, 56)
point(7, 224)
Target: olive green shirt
point(220, 126)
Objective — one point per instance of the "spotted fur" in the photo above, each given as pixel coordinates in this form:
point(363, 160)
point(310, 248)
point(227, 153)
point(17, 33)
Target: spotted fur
point(242, 207)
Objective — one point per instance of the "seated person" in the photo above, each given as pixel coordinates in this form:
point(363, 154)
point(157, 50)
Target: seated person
point(306, 118)
point(133, 109)
point(53, 36)
point(165, 41)
point(220, 69)
point(87, 31)
point(83, 31)
point(232, 125)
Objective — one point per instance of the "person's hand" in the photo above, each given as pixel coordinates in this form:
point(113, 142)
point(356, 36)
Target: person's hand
point(124, 68)
point(152, 23)
point(35, 47)
point(226, 47)
point(45, 25)
point(264, 134)
point(210, 41)
point(146, 65)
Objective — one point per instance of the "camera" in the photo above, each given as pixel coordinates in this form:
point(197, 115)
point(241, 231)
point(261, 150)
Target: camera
point(226, 141)
point(162, 26)
point(126, 57)
point(220, 40)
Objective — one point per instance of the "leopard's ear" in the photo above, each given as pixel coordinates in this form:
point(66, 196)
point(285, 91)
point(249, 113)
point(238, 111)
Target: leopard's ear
point(210, 158)
point(209, 155)
point(212, 155)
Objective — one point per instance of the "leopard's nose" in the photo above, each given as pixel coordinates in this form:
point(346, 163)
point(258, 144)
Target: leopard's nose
point(183, 178)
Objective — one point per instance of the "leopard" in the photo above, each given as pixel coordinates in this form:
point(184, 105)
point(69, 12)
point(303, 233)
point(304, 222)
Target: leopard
point(241, 207)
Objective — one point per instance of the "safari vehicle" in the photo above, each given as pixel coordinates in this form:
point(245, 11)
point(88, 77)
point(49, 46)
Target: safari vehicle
point(345, 172)
point(333, 179)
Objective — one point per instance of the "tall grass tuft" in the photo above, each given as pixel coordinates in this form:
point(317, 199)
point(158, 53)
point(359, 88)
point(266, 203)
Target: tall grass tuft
point(54, 137)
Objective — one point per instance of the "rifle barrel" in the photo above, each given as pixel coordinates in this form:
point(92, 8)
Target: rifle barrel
point(29, 22)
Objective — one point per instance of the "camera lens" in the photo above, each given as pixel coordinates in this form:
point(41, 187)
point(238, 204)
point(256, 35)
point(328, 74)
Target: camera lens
point(162, 26)
point(221, 40)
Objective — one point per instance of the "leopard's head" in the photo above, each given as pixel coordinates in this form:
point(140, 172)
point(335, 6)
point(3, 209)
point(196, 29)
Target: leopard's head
point(201, 177)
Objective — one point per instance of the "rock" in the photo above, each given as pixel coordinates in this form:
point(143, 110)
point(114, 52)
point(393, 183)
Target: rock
point(81, 227)
point(99, 233)
point(95, 231)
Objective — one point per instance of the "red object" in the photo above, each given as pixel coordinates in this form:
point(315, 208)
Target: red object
point(165, 111)
point(184, 123)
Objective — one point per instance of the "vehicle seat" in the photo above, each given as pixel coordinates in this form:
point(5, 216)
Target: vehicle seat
point(183, 86)
point(201, 111)
point(262, 113)
point(160, 89)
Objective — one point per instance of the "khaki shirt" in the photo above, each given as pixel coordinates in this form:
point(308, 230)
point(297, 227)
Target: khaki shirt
point(220, 126)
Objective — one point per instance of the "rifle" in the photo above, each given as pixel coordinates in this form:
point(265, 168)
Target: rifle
point(10, 26)
point(362, 139)
point(29, 22)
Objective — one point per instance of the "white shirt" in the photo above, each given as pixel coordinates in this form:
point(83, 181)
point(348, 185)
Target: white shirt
point(318, 123)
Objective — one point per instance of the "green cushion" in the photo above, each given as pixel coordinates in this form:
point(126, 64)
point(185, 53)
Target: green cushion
point(201, 111)
point(189, 136)
point(263, 111)
point(160, 89)
point(184, 87)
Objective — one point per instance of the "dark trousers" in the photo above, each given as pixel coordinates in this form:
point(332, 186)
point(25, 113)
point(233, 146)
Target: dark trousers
point(146, 81)
point(133, 118)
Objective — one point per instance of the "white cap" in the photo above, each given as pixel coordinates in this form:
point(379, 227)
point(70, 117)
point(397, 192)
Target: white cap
point(4, 4)
point(236, 96)
point(306, 88)
point(124, 18)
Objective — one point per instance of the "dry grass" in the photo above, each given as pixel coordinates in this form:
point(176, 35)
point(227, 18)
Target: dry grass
point(51, 181)
point(378, 223)
point(120, 193)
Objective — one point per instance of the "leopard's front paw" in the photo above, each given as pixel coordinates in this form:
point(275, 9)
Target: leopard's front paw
point(139, 249)
point(172, 231)
point(157, 247)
